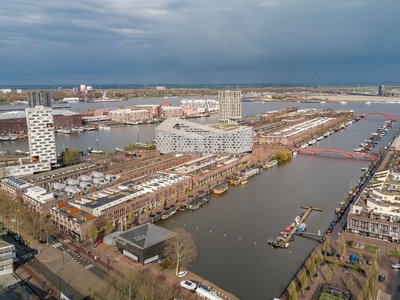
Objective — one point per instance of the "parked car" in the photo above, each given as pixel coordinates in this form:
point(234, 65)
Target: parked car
point(382, 278)
point(182, 274)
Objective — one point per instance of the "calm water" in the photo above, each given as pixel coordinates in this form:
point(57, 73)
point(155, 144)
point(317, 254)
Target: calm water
point(231, 230)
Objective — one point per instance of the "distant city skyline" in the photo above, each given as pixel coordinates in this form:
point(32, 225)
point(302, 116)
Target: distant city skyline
point(275, 42)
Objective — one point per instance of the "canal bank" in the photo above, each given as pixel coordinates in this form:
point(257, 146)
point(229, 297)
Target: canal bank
point(330, 268)
point(231, 231)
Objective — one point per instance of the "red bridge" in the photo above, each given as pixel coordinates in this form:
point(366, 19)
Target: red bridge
point(339, 152)
point(391, 117)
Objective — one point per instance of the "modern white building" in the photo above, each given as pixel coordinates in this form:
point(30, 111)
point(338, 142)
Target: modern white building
point(230, 107)
point(7, 255)
point(177, 135)
point(42, 144)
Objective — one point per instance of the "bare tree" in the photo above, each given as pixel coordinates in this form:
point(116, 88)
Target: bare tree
point(181, 248)
point(138, 283)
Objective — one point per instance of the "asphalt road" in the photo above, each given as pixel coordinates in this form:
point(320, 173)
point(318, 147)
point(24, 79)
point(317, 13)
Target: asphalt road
point(64, 286)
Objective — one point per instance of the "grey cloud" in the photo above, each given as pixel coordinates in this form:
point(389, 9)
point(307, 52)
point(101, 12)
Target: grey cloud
point(210, 41)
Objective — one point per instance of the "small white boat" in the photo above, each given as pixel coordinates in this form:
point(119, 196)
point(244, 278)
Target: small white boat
point(65, 131)
point(118, 149)
point(297, 219)
point(92, 151)
point(312, 142)
point(302, 227)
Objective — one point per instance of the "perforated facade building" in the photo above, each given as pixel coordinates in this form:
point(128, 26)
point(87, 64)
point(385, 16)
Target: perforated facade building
point(177, 135)
point(42, 145)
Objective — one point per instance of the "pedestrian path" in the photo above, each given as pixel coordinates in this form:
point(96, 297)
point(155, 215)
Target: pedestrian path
point(71, 255)
point(56, 245)
point(27, 256)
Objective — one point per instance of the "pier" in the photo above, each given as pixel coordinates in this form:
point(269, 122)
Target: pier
point(282, 240)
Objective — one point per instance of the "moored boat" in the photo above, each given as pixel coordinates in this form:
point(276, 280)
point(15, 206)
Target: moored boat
point(302, 227)
point(270, 164)
point(92, 151)
point(65, 131)
point(297, 219)
point(234, 181)
point(220, 189)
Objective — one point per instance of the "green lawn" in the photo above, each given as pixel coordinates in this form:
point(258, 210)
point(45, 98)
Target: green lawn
point(371, 249)
point(326, 296)
point(393, 253)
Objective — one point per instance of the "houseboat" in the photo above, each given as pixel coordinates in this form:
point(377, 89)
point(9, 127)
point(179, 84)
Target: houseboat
point(220, 189)
point(270, 164)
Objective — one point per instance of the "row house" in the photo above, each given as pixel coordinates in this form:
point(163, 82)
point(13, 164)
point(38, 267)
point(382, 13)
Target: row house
point(128, 115)
point(154, 110)
point(376, 213)
point(136, 197)
point(171, 111)
point(211, 167)
point(38, 200)
point(14, 187)
point(71, 220)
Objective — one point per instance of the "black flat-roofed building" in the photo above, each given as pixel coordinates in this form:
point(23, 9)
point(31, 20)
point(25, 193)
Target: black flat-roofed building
point(145, 243)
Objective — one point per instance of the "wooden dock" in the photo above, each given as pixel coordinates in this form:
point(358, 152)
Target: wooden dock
point(283, 241)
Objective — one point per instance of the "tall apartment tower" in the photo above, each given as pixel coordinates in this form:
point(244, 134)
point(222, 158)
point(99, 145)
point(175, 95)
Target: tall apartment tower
point(39, 98)
point(381, 90)
point(230, 106)
point(41, 138)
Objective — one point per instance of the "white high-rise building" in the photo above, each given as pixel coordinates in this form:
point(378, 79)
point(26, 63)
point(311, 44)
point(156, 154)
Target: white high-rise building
point(42, 143)
point(177, 135)
point(230, 107)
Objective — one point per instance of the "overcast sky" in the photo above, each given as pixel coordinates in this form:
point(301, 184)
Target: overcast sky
point(199, 41)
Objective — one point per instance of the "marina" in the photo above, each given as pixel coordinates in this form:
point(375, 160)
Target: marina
point(283, 239)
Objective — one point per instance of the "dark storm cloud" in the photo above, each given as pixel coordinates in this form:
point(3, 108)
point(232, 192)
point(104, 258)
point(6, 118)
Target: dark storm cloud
point(208, 41)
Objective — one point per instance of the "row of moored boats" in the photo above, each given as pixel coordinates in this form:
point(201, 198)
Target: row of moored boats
point(370, 143)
